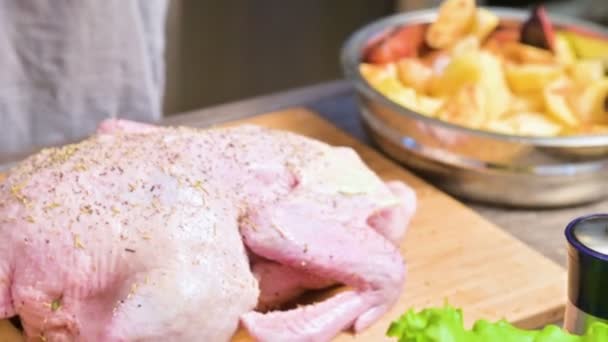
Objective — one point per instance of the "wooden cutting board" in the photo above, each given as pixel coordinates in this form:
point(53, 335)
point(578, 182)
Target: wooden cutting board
point(452, 253)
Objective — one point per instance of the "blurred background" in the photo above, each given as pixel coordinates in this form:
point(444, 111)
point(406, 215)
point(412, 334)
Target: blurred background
point(220, 51)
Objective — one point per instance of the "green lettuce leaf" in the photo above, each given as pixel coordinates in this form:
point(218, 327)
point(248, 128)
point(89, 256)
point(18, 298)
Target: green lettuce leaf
point(445, 324)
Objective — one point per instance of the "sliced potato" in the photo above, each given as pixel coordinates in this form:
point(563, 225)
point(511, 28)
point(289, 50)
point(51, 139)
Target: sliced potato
point(462, 69)
point(497, 39)
point(374, 73)
point(521, 53)
point(564, 53)
point(525, 78)
point(527, 124)
point(556, 103)
point(590, 105)
point(527, 102)
point(437, 61)
point(481, 74)
point(481, 68)
point(466, 107)
point(484, 23)
point(428, 105)
point(413, 73)
point(453, 21)
point(468, 44)
point(408, 97)
point(391, 86)
point(587, 71)
point(494, 85)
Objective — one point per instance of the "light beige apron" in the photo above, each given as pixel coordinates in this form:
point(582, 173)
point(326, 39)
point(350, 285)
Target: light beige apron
point(67, 64)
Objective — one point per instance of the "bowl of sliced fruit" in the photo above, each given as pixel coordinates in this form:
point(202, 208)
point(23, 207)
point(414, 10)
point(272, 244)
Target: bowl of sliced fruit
point(492, 104)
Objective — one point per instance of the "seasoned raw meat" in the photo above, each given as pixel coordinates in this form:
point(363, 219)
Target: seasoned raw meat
point(142, 233)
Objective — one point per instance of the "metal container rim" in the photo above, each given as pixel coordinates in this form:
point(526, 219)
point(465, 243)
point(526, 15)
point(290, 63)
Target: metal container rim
point(579, 246)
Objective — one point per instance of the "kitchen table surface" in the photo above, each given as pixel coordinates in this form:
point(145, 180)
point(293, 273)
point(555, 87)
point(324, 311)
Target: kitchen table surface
point(335, 101)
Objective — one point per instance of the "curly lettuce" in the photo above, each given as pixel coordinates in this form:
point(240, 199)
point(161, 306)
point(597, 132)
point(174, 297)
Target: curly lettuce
point(445, 324)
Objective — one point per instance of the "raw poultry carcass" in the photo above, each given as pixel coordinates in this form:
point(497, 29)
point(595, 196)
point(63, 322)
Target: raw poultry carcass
point(143, 233)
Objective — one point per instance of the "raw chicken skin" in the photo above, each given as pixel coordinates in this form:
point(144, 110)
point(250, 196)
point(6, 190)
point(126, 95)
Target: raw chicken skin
point(142, 233)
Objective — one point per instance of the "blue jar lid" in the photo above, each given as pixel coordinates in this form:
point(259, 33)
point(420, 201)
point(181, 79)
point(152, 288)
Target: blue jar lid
point(588, 264)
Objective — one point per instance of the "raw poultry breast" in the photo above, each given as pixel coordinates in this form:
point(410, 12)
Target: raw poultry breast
point(143, 233)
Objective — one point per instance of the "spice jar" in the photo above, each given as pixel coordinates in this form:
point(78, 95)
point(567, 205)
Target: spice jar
point(587, 272)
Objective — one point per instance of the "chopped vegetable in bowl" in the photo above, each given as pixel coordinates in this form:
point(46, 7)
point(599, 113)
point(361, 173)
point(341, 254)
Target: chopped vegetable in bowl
point(473, 69)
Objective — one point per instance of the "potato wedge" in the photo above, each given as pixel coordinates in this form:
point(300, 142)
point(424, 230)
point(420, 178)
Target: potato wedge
point(521, 53)
point(453, 21)
point(484, 23)
point(413, 73)
point(497, 40)
point(590, 105)
point(402, 95)
point(462, 69)
point(428, 105)
point(476, 70)
point(437, 61)
point(408, 97)
point(587, 71)
point(526, 78)
point(468, 44)
point(483, 69)
point(556, 103)
point(391, 85)
point(527, 102)
point(466, 107)
point(564, 53)
point(494, 85)
point(375, 73)
point(526, 124)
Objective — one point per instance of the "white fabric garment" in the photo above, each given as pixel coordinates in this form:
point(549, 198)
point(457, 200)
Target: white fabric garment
point(67, 64)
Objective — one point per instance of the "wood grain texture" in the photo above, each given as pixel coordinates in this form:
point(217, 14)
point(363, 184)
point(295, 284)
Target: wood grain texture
point(452, 253)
